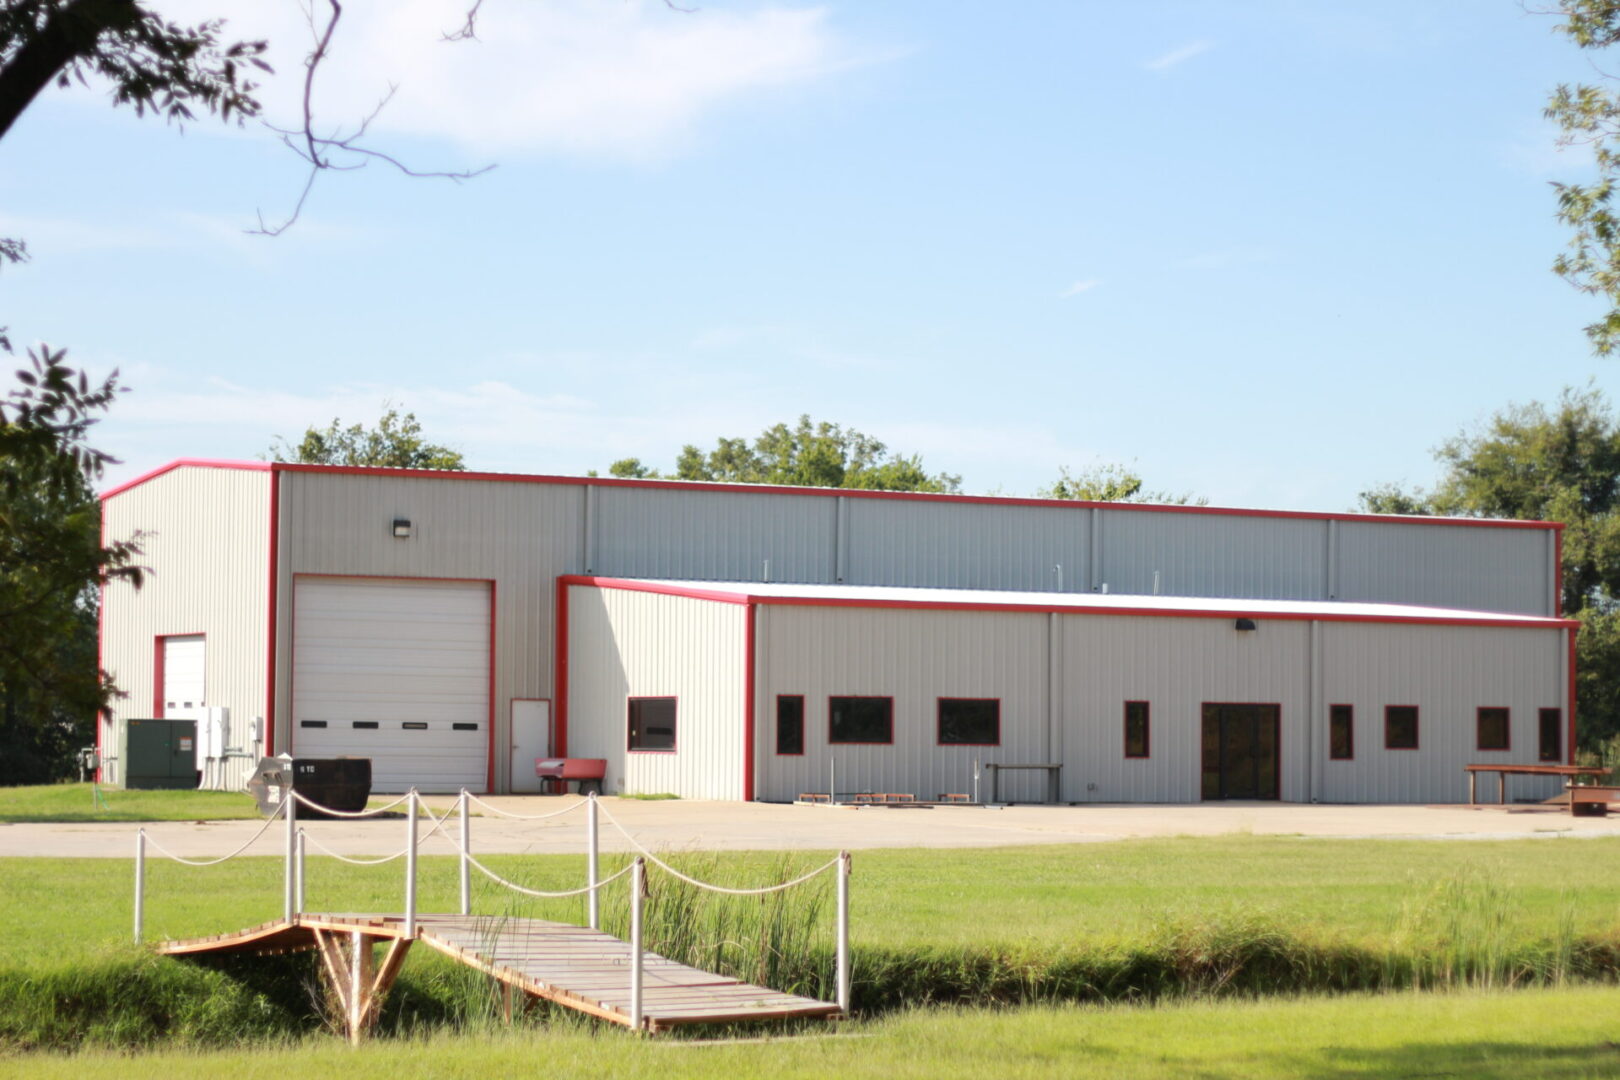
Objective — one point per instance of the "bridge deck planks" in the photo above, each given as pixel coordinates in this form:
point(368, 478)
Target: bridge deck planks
point(573, 966)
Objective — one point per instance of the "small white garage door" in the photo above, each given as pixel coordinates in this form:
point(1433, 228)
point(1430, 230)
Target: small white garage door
point(183, 681)
point(396, 671)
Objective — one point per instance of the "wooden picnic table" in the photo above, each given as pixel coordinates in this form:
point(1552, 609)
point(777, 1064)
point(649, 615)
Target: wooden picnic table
point(1502, 771)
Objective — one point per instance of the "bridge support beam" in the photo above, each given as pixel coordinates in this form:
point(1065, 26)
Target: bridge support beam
point(348, 960)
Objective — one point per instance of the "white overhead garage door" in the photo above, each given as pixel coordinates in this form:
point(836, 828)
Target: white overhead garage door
point(183, 678)
point(397, 671)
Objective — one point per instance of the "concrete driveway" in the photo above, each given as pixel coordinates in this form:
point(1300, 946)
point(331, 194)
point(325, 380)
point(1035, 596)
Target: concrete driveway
point(683, 824)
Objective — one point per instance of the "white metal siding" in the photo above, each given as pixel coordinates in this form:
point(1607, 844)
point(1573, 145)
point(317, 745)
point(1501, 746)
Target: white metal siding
point(205, 534)
point(1210, 555)
point(630, 644)
point(394, 653)
point(1175, 664)
point(1448, 672)
point(967, 545)
point(520, 536)
point(916, 657)
point(1480, 568)
point(712, 535)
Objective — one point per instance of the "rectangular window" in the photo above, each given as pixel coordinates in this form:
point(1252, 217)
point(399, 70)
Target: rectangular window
point(1552, 734)
point(969, 722)
point(860, 720)
point(1491, 728)
point(652, 723)
point(1136, 729)
point(790, 723)
point(1400, 727)
point(1341, 732)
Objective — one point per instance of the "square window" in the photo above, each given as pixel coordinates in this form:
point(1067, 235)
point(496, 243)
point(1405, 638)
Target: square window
point(969, 721)
point(1341, 732)
point(861, 720)
point(1136, 729)
point(790, 723)
point(1552, 734)
point(1491, 728)
point(652, 723)
point(1400, 727)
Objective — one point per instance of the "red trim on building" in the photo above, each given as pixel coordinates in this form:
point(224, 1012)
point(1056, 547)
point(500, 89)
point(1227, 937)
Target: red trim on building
point(860, 697)
point(271, 625)
point(559, 673)
point(1479, 716)
point(852, 493)
point(193, 463)
point(1535, 622)
point(1558, 571)
point(939, 702)
point(1569, 749)
point(631, 699)
point(750, 656)
point(1147, 730)
point(1417, 727)
point(157, 676)
point(489, 779)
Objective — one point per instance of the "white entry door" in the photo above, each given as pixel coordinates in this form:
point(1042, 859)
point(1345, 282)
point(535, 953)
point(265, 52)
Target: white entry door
point(398, 671)
point(531, 738)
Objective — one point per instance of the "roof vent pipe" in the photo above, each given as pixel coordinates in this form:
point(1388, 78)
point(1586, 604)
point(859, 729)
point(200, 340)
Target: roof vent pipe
point(1155, 583)
point(767, 576)
point(1105, 588)
point(1059, 568)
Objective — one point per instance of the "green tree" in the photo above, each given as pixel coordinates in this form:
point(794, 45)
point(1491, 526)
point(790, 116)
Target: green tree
point(51, 563)
point(1562, 464)
point(396, 442)
point(1588, 114)
point(1109, 482)
point(808, 454)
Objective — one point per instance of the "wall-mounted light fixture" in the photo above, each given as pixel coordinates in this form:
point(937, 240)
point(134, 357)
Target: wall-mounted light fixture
point(1245, 624)
point(402, 528)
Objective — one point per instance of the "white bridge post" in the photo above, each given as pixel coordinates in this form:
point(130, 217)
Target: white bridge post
point(841, 974)
point(638, 880)
point(410, 865)
point(140, 882)
point(289, 904)
point(466, 852)
point(592, 874)
point(299, 890)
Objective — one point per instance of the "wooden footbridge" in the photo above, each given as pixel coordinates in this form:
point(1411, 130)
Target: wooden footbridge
point(576, 967)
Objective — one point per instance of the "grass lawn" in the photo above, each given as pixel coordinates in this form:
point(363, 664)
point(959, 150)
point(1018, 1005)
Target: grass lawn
point(77, 802)
point(1350, 890)
point(1555, 1034)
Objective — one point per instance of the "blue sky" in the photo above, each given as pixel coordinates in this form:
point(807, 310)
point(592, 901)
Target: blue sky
point(1271, 253)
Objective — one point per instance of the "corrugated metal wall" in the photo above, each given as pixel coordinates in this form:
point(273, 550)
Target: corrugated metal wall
point(916, 657)
point(1482, 569)
point(966, 545)
point(711, 535)
point(626, 644)
point(1447, 672)
point(520, 536)
point(207, 542)
point(1203, 555)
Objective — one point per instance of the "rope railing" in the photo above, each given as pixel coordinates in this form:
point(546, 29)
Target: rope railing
point(298, 838)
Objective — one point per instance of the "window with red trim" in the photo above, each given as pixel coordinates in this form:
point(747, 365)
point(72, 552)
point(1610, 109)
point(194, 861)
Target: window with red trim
point(652, 723)
point(1341, 732)
point(1491, 728)
point(860, 720)
point(969, 722)
point(1400, 727)
point(1552, 734)
point(1137, 734)
point(790, 724)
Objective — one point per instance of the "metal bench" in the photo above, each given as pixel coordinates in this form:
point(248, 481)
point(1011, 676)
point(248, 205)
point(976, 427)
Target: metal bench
point(1591, 800)
point(587, 772)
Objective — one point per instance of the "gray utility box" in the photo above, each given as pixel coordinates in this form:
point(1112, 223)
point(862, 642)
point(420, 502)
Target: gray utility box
point(161, 754)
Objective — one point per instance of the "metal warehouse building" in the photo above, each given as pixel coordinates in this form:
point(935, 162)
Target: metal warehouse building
point(740, 642)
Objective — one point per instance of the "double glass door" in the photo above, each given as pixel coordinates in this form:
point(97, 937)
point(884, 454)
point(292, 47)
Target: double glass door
point(1240, 751)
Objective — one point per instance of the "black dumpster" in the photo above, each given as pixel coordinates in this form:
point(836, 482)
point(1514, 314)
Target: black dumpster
point(336, 783)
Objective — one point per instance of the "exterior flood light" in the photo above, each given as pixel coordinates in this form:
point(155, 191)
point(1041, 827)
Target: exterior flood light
point(1242, 624)
point(402, 528)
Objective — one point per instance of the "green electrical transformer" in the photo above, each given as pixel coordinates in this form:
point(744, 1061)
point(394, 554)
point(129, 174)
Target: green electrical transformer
point(161, 754)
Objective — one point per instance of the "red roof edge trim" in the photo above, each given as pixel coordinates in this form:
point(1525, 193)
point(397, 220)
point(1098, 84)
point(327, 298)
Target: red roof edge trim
point(194, 463)
point(852, 493)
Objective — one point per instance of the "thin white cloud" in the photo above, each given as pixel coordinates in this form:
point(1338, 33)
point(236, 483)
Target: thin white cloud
point(1178, 56)
point(1079, 287)
point(630, 79)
